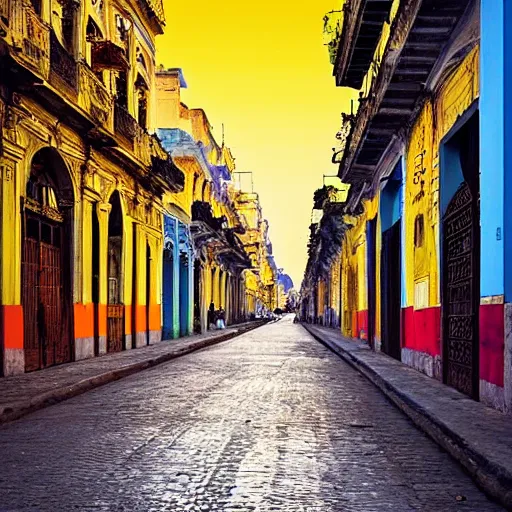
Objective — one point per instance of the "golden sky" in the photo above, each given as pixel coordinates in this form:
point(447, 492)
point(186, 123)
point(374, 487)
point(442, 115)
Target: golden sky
point(262, 70)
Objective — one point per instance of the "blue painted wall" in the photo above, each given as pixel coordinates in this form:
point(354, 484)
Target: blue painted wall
point(391, 210)
point(170, 283)
point(507, 231)
point(168, 297)
point(492, 145)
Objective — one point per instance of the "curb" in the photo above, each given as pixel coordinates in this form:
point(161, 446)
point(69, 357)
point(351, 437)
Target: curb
point(55, 396)
point(493, 479)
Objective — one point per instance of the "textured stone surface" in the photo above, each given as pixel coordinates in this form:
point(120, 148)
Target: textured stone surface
point(25, 393)
point(477, 436)
point(269, 421)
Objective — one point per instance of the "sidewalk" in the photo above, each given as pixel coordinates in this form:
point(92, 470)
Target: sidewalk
point(26, 393)
point(479, 437)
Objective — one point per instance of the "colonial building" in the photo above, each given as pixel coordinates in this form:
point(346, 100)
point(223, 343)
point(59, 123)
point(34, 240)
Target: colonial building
point(82, 178)
point(424, 262)
point(227, 231)
point(106, 243)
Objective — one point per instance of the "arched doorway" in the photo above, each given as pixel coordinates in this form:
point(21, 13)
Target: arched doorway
point(461, 259)
point(115, 308)
point(168, 293)
point(46, 262)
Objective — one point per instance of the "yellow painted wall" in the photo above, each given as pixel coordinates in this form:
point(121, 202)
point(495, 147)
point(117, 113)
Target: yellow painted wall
point(437, 117)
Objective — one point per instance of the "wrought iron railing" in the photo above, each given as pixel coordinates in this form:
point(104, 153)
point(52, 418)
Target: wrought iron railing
point(94, 97)
point(124, 123)
point(62, 63)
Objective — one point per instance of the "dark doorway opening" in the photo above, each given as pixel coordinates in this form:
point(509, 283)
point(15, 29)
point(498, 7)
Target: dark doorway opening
point(168, 294)
point(391, 262)
point(371, 231)
point(148, 294)
point(96, 276)
point(115, 308)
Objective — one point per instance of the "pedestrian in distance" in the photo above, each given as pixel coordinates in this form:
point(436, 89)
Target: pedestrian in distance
point(221, 319)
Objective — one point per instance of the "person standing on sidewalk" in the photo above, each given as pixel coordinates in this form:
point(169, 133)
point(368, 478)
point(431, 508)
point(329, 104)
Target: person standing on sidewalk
point(221, 319)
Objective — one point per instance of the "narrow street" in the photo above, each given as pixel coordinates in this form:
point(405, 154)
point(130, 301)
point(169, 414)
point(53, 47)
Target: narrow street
point(271, 420)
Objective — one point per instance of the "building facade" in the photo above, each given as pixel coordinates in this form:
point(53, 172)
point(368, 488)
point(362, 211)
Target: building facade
point(107, 244)
point(424, 267)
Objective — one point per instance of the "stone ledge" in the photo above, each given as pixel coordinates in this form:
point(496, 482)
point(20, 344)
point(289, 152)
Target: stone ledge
point(478, 437)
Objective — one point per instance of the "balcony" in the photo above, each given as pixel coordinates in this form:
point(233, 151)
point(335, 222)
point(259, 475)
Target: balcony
point(166, 170)
point(361, 28)
point(202, 212)
point(124, 124)
point(333, 25)
point(62, 63)
point(94, 97)
point(30, 37)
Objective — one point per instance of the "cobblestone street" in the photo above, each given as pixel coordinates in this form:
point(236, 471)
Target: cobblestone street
point(269, 421)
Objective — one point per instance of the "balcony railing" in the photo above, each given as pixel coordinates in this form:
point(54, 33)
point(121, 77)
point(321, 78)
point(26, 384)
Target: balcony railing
point(124, 124)
point(30, 36)
point(94, 97)
point(62, 63)
point(333, 27)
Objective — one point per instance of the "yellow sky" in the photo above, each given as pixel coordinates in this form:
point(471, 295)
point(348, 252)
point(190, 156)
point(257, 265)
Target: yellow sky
point(261, 69)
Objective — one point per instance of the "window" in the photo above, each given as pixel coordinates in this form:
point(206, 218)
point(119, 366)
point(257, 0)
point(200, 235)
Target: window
point(419, 230)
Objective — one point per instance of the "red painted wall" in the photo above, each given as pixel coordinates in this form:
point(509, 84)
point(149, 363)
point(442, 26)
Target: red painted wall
point(492, 343)
point(421, 330)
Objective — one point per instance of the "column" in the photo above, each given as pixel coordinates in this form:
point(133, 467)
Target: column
point(11, 311)
point(83, 307)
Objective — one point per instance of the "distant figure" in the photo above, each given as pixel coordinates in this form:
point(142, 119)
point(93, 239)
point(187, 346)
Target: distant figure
point(211, 316)
point(221, 319)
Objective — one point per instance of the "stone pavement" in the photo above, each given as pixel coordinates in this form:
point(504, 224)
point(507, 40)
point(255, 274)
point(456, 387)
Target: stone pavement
point(479, 437)
point(22, 394)
point(269, 421)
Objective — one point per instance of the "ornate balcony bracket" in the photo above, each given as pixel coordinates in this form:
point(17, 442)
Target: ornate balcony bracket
point(94, 97)
point(342, 136)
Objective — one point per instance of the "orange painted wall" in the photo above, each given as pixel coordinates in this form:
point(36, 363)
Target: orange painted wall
point(11, 325)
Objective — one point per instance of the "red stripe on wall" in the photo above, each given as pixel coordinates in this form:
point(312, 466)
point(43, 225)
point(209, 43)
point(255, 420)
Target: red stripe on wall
point(421, 330)
point(361, 331)
point(492, 343)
